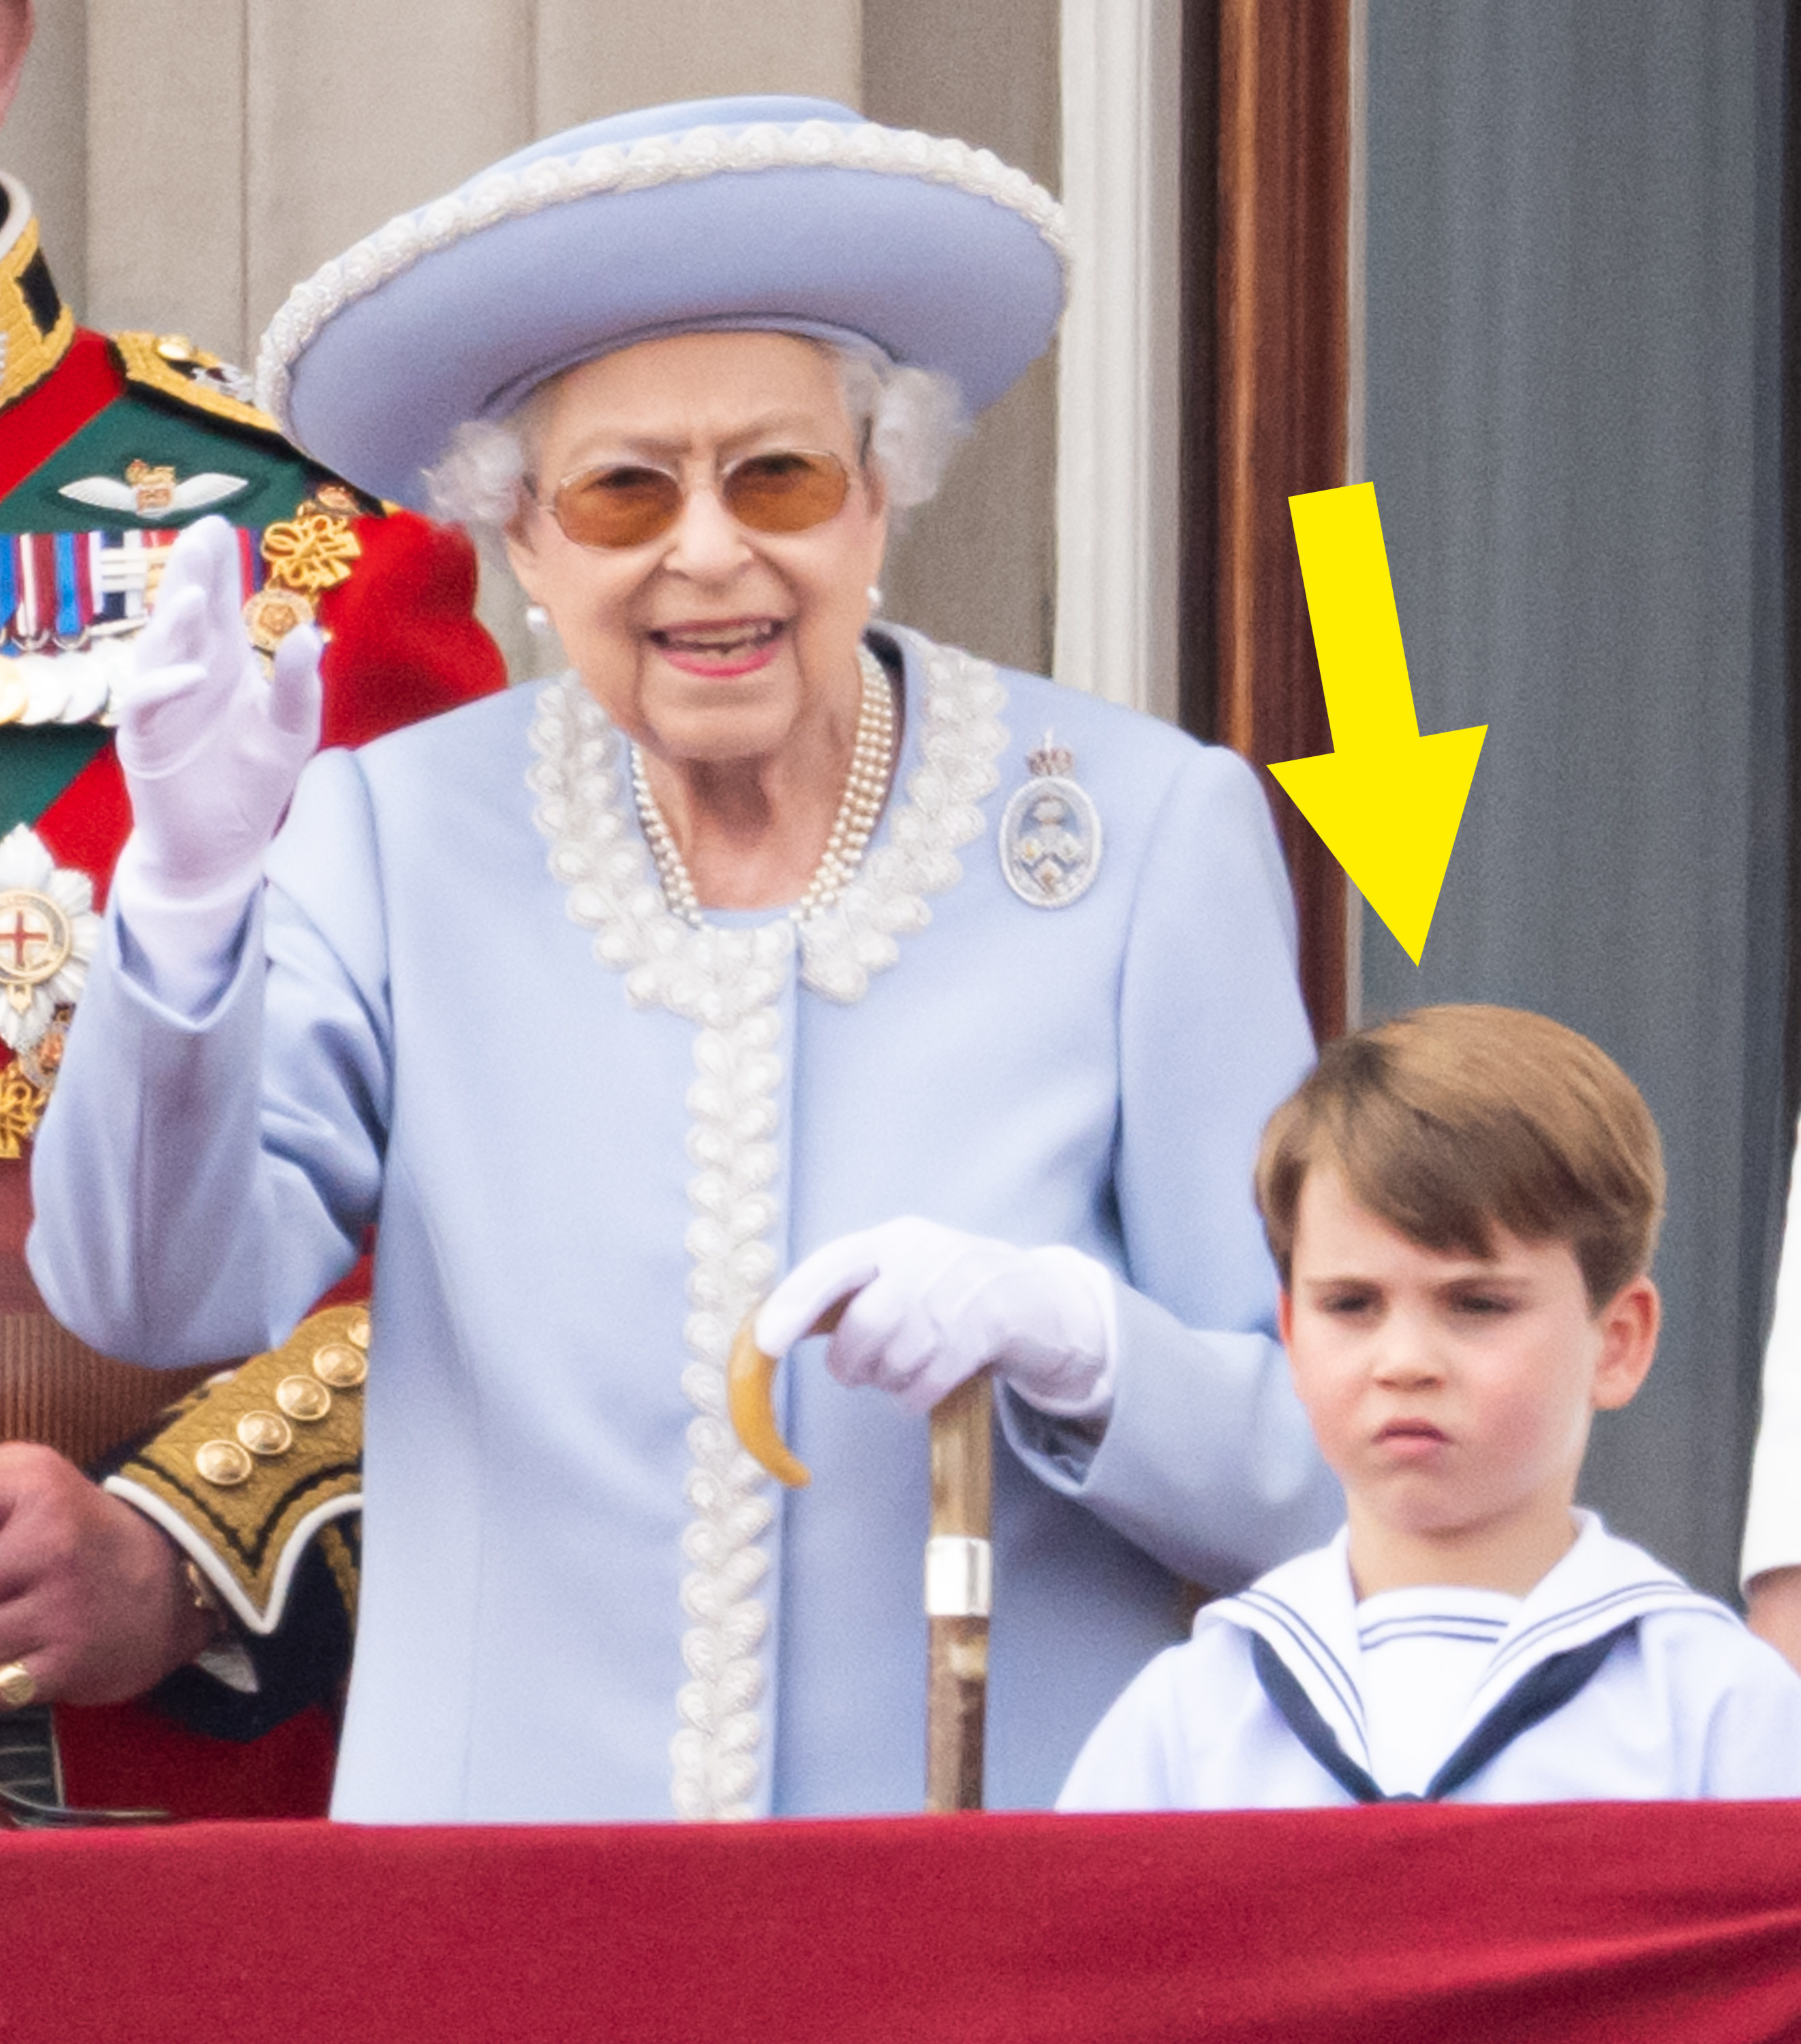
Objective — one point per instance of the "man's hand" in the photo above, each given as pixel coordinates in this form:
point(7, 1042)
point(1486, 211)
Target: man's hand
point(94, 1599)
point(1775, 1611)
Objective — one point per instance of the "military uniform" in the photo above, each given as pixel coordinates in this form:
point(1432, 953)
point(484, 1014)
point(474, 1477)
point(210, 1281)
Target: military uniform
point(109, 445)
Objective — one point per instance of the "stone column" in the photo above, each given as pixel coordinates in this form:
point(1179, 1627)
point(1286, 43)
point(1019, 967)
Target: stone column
point(979, 567)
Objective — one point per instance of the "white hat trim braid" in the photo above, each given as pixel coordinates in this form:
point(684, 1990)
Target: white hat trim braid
point(700, 152)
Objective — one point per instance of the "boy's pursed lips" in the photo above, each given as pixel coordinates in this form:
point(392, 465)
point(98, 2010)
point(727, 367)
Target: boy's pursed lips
point(1398, 1433)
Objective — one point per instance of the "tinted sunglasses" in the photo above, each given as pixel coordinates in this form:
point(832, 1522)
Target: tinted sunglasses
point(627, 504)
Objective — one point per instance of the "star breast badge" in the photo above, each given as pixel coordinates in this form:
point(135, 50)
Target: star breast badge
point(48, 931)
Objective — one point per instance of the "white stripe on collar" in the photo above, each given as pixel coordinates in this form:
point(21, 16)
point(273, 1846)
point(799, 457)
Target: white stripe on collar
point(1306, 1609)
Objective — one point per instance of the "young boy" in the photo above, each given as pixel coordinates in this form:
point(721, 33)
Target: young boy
point(1463, 1204)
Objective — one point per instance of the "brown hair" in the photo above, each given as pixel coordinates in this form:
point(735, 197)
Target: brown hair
point(1449, 1121)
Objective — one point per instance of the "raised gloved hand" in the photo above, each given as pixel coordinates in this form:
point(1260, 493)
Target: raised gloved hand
point(211, 748)
point(934, 1305)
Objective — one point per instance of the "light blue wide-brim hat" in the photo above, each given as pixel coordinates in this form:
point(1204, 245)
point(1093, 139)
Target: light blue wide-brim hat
point(795, 215)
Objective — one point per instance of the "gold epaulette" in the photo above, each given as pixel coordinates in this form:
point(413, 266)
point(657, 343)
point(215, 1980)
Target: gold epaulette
point(171, 365)
point(256, 1463)
point(35, 326)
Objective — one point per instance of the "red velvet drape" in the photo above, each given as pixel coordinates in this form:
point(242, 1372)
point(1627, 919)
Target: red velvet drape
point(1577, 1922)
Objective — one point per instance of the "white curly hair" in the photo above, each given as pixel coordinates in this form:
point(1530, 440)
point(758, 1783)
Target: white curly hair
point(910, 420)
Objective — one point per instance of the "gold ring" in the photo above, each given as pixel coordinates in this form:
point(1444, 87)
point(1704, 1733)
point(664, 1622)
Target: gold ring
point(17, 1687)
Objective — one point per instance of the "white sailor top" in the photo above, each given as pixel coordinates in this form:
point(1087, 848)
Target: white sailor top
point(592, 1135)
point(1611, 1681)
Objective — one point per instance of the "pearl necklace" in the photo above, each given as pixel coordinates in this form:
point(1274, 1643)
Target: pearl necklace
point(871, 764)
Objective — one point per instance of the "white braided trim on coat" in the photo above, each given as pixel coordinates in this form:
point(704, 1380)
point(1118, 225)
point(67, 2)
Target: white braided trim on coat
point(699, 152)
point(729, 982)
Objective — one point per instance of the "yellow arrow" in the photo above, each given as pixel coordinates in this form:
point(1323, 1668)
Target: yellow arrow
point(1387, 801)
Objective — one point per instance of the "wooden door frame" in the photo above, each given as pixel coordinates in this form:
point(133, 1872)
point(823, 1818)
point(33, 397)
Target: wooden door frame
point(1790, 374)
point(1267, 309)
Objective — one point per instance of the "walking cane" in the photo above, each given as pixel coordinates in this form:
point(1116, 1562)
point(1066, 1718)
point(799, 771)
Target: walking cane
point(958, 1559)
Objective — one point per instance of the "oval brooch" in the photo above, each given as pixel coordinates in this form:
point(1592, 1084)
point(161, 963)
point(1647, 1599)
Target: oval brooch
point(1050, 834)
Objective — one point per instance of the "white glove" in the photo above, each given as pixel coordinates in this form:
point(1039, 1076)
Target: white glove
point(211, 750)
point(934, 1305)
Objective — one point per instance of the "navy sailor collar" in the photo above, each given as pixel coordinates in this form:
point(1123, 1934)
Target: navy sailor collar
point(1305, 1611)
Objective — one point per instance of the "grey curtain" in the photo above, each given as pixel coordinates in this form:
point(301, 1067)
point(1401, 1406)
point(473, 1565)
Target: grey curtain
point(1574, 375)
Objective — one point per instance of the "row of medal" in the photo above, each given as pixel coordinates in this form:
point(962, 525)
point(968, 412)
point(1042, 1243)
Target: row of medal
point(70, 604)
point(66, 688)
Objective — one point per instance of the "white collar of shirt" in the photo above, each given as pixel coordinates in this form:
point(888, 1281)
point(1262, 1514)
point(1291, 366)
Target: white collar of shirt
point(1306, 1611)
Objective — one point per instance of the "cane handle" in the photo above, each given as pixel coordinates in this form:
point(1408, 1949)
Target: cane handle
point(750, 1379)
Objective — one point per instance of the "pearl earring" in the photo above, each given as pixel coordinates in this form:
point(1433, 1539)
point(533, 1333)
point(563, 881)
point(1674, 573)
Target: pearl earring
point(538, 618)
point(875, 595)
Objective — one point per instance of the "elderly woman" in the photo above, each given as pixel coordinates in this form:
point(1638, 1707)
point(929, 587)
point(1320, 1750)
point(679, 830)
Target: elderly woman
point(609, 1000)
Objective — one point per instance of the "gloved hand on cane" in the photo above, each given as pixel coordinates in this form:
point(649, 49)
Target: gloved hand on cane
point(211, 748)
point(922, 1311)
point(933, 1305)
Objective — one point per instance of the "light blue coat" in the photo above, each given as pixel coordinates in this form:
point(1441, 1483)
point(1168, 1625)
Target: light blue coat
point(435, 1047)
